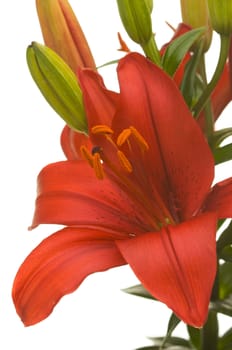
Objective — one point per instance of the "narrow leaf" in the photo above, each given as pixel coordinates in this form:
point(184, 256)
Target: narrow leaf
point(139, 291)
point(223, 154)
point(178, 48)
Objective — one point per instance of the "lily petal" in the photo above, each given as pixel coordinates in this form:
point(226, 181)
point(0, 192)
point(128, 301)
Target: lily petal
point(220, 199)
point(57, 266)
point(151, 101)
point(71, 141)
point(177, 265)
point(70, 194)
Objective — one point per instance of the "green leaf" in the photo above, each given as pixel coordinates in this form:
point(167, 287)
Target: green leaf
point(225, 280)
point(195, 336)
point(139, 291)
point(172, 324)
point(58, 84)
point(172, 341)
point(223, 154)
point(178, 48)
point(220, 135)
point(223, 306)
point(225, 342)
point(225, 238)
point(226, 253)
point(107, 64)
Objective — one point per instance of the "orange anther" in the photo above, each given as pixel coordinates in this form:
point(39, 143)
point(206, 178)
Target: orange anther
point(102, 129)
point(97, 166)
point(123, 137)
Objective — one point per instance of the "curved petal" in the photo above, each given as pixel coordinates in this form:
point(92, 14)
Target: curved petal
point(179, 158)
point(100, 103)
point(71, 141)
point(70, 194)
point(57, 266)
point(220, 199)
point(177, 265)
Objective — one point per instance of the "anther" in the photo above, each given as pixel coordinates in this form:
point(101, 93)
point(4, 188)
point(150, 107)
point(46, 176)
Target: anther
point(124, 161)
point(102, 129)
point(139, 138)
point(123, 137)
point(97, 166)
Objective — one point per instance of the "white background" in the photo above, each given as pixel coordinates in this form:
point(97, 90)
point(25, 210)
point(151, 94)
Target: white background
point(98, 315)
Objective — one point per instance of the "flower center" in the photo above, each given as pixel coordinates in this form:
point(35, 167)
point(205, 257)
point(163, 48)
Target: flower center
point(115, 160)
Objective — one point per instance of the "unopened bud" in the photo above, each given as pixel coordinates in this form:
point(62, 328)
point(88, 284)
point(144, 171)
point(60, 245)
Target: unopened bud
point(195, 13)
point(58, 84)
point(221, 15)
point(136, 18)
point(63, 34)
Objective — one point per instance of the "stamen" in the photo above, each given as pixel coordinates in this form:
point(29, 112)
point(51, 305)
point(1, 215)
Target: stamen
point(139, 138)
point(102, 129)
point(87, 155)
point(97, 166)
point(123, 137)
point(124, 161)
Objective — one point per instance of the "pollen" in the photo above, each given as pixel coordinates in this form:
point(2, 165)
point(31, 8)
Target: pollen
point(102, 129)
point(126, 164)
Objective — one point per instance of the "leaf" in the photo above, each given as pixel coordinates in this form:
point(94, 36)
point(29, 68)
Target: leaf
point(226, 253)
point(178, 48)
point(139, 291)
point(223, 306)
point(225, 238)
point(225, 342)
point(172, 324)
point(172, 341)
point(225, 280)
point(223, 154)
point(195, 336)
point(107, 64)
point(220, 135)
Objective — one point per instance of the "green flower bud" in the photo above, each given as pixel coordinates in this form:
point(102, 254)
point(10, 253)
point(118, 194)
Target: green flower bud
point(58, 84)
point(136, 18)
point(195, 13)
point(221, 15)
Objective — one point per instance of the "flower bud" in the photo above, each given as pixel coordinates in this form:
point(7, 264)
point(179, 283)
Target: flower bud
point(58, 84)
point(136, 18)
point(195, 14)
point(63, 34)
point(221, 15)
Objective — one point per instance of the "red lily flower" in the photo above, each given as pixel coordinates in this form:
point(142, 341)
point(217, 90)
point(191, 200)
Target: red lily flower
point(142, 197)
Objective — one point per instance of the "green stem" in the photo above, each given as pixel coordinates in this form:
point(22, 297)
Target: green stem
point(151, 51)
point(225, 43)
point(209, 333)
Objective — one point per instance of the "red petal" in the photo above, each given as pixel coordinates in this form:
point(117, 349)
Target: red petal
point(220, 199)
point(57, 267)
point(70, 194)
point(180, 161)
point(71, 141)
point(177, 265)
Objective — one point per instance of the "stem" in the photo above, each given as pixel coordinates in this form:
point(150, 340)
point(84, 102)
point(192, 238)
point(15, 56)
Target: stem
point(209, 333)
point(225, 43)
point(151, 51)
